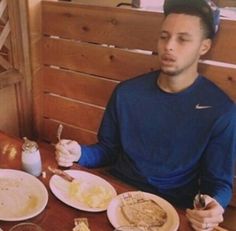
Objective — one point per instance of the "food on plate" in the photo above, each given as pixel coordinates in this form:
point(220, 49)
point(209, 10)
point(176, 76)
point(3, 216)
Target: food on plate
point(16, 199)
point(81, 224)
point(144, 213)
point(94, 196)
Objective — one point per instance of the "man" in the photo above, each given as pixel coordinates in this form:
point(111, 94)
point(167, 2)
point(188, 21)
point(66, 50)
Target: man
point(170, 132)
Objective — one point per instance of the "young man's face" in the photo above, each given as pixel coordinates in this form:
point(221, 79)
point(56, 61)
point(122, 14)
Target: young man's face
point(181, 43)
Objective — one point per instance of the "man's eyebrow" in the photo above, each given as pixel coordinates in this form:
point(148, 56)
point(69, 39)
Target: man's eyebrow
point(180, 33)
point(164, 31)
point(184, 34)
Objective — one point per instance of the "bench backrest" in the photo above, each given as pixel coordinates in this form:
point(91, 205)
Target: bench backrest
point(87, 50)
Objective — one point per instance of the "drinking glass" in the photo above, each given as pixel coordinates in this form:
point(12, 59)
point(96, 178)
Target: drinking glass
point(26, 226)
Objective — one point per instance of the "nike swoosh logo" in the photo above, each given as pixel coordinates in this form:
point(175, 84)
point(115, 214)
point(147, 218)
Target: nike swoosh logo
point(198, 106)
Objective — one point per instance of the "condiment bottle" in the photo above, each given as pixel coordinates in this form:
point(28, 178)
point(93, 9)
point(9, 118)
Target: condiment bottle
point(30, 158)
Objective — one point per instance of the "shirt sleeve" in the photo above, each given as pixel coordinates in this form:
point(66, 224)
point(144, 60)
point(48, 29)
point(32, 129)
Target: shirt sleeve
point(219, 159)
point(106, 150)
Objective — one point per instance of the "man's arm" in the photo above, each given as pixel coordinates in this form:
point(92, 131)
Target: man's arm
point(106, 150)
point(219, 158)
point(217, 174)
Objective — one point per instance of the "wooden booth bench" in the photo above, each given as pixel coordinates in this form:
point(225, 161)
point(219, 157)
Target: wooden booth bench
point(88, 50)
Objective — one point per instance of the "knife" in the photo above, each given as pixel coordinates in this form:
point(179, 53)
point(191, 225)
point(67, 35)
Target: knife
point(61, 173)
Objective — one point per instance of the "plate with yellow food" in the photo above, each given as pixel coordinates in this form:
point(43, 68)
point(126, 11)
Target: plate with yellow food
point(22, 196)
point(86, 191)
point(143, 210)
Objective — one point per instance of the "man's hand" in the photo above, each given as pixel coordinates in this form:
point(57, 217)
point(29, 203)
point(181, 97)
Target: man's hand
point(67, 152)
point(207, 219)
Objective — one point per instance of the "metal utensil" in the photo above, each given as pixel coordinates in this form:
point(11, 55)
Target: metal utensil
point(59, 131)
point(199, 201)
point(61, 173)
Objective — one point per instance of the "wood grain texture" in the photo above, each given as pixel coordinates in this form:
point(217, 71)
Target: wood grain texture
point(118, 64)
point(223, 47)
point(9, 78)
point(103, 25)
point(126, 28)
point(9, 116)
point(224, 78)
point(79, 86)
point(49, 129)
point(72, 112)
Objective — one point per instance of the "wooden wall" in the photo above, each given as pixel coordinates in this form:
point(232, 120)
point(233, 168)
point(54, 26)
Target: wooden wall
point(35, 38)
point(15, 76)
point(8, 112)
point(102, 2)
point(226, 3)
point(87, 50)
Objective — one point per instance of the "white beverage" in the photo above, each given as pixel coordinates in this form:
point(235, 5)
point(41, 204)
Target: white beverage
point(30, 158)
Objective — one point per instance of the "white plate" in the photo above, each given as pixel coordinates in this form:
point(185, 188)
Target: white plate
point(117, 219)
point(22, 196)
point(60, 189)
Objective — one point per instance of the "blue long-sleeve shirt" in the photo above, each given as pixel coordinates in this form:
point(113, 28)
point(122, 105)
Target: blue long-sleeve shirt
point(164, 142)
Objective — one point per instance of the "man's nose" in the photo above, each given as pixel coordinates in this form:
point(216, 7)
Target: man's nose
point(170, 44)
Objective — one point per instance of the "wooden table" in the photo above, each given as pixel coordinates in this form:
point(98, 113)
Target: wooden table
point(57, 216)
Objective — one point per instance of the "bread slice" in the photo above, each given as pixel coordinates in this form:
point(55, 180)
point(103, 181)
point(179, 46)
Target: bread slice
point(144, 213)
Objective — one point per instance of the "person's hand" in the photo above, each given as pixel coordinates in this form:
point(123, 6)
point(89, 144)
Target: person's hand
point(207, 219)
point(67, 152)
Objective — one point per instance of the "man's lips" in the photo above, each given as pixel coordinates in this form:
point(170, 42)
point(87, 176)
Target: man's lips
point(168, 58)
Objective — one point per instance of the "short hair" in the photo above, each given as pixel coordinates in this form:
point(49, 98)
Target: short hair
point(200, 8)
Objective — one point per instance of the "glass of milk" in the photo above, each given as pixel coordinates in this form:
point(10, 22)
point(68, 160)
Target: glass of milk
point(30, 158)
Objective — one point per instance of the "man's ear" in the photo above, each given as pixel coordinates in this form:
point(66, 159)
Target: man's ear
point(205, 46)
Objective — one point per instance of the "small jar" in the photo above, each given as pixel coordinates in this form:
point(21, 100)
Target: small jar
point(30, 158)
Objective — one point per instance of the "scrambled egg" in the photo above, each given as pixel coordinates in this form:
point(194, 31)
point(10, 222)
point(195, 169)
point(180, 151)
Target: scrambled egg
point(94, 196)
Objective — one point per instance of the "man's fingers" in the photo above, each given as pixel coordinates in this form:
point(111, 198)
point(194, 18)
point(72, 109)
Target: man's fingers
point(194, 216)
point(202, 225)
point(64, 159)
point(64, 142)
point(62, 149)
point(63, 162)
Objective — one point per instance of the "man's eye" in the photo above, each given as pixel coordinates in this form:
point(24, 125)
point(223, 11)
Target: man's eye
point(181, 39)
point(163, 37)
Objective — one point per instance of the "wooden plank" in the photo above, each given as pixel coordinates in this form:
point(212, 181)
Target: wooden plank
point(35, 38)
point(35, 35)
point(3, 6)
point(107, 25)
point(97, 60)
point(21, 62)
point(9, 78)
point(226, 3)
point(86, 88)
point(224, 47)
point(69, 132)
point(37, 82)
point(102, 2)
point(8, 111)
point(16, 48)
point(224, 78)
point(5, 64)
point(104, 25)
point(71, 112)
point(4, 34)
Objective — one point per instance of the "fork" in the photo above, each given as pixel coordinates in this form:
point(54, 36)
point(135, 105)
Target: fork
point(59, 131)
point(199, 201)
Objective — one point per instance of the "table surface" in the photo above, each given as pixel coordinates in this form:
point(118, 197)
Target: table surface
point(58, 216)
